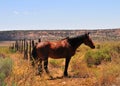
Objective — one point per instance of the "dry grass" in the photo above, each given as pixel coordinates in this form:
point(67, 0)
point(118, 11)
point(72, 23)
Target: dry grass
point(105, 74)
point(6, 43)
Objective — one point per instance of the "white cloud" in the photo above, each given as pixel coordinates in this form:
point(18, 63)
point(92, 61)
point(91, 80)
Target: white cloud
point(21, 12)
point(16, 12)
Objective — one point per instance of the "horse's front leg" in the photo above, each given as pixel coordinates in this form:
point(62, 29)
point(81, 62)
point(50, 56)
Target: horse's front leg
point(66, 66)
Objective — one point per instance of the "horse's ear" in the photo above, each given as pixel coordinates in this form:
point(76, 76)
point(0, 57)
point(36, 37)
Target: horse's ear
point(88, 33)
point(67, 37)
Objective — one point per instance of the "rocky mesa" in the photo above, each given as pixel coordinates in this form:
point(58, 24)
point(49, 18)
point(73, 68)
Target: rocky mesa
point(100, 34)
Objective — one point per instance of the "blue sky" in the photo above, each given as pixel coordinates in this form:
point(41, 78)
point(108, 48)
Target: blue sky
point(59, 14)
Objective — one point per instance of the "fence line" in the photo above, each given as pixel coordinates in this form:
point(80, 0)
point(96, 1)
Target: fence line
point(24, 46)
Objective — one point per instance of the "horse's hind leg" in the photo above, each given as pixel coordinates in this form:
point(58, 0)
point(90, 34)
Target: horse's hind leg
point(40, 67)
point(46, 68)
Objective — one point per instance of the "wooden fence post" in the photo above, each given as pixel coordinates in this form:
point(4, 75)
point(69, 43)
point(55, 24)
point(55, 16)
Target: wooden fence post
point(13, 46)
point(26, 50)
point(16, 45)
point(24, 47)
point(39, 40)
point(19, 45)
point(30, 51)
point(33, 43)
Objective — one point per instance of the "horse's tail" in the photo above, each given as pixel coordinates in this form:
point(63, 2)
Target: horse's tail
point(34, 52)
point(34, 55)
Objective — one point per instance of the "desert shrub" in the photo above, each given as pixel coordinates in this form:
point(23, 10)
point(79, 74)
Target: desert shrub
point(97, 46)
point(116, 47)
point(56, 63)
point(104, 52)
point(96, 57)
point(109, 55)
point(5, 69)
point(12, 50)
point(4, 49)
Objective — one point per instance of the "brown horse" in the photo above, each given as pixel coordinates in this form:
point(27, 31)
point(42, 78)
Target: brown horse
point(64, 48)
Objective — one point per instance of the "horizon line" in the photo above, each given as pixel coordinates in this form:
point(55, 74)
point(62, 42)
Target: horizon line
point(57, 29)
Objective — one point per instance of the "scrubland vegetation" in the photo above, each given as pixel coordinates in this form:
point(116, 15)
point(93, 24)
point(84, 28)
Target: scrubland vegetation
point(88, 67)
point(5, 65)
point(104, 52)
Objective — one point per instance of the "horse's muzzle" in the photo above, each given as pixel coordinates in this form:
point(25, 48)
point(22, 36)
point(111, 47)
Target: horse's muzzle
point(93, 47)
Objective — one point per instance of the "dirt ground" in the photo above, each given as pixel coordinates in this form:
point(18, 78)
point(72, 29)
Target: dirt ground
point(6, 43)
point(24, 75)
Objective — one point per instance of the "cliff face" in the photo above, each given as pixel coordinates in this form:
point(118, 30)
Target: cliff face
point(108, 34)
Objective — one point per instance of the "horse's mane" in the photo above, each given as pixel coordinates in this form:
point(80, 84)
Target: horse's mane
point(77, 37)
point(65, 38)
point(75, 41)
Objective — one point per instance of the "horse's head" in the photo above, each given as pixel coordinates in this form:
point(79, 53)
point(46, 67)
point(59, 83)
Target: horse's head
point(88, 41)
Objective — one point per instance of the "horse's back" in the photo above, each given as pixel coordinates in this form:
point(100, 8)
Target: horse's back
point(56, 50)
point(60, 49)
point(42, 49)
point(42, 44)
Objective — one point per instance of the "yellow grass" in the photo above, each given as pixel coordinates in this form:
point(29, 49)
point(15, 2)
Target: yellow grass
point(105, 74)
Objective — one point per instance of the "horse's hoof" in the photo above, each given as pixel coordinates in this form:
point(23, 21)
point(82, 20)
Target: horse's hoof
point(51, 78)
point(66, 76)
point(38, 74)
point(33, 64)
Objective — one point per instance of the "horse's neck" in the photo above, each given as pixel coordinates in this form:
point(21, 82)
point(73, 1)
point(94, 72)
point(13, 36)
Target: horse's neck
point(75, 42)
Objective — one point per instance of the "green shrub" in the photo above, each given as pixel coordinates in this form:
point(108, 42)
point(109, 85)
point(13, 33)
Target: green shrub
point(56, 63)
point(116, 47)
point(4, 50)
point(12, 50)
point(5, 69)
point(103, 52)
point(96, 57)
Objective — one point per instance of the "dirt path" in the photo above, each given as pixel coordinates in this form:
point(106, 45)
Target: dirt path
point(24, 75)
